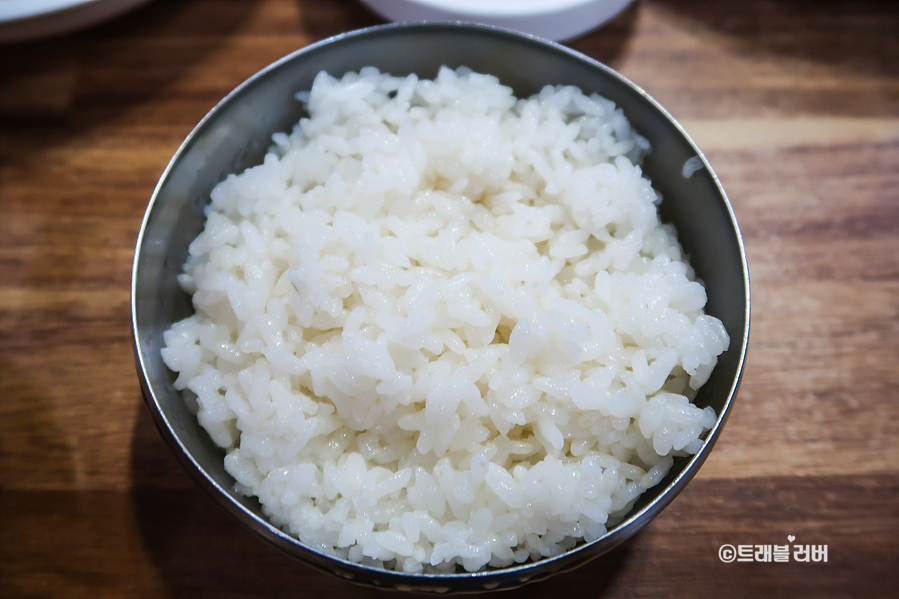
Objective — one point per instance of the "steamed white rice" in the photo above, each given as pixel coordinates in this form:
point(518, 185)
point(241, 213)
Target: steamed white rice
point(440, 326)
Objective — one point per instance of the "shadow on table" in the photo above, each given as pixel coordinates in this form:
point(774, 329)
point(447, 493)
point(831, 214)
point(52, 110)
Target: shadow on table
point(197, 549)
point(91, 76)
point(608, 43)
point(324, 18)
point(858, 37)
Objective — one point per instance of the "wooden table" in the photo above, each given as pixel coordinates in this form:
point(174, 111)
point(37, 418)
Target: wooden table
point(796, 104)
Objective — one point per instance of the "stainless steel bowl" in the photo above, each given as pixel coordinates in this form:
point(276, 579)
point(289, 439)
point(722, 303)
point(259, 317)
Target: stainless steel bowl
point(235, 135)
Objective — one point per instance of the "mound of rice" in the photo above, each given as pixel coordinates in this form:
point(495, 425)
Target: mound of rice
point(440, 326)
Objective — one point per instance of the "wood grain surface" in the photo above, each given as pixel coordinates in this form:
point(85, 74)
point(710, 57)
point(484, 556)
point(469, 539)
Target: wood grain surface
point(796, 104)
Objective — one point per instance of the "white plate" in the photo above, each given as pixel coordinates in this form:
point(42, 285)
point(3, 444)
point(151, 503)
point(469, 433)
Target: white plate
point(557, 20)
point(22, 20)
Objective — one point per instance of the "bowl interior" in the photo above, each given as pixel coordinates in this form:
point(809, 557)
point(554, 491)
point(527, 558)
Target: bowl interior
point(236, 134)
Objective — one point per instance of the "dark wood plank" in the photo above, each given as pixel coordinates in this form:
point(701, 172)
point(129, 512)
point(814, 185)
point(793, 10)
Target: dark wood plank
point(176, 543)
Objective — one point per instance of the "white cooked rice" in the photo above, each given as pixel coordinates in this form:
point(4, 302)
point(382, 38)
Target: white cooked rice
point(441, 326)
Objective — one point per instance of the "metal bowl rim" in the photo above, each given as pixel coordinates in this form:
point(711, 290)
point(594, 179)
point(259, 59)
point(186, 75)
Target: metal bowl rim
point(624, 529)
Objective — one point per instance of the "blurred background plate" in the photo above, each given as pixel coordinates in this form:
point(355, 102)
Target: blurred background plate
point(557, 20)
point(22, 20)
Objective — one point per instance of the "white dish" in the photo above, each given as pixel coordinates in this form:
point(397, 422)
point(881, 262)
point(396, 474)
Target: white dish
point(557, 20)
point(22, 20)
